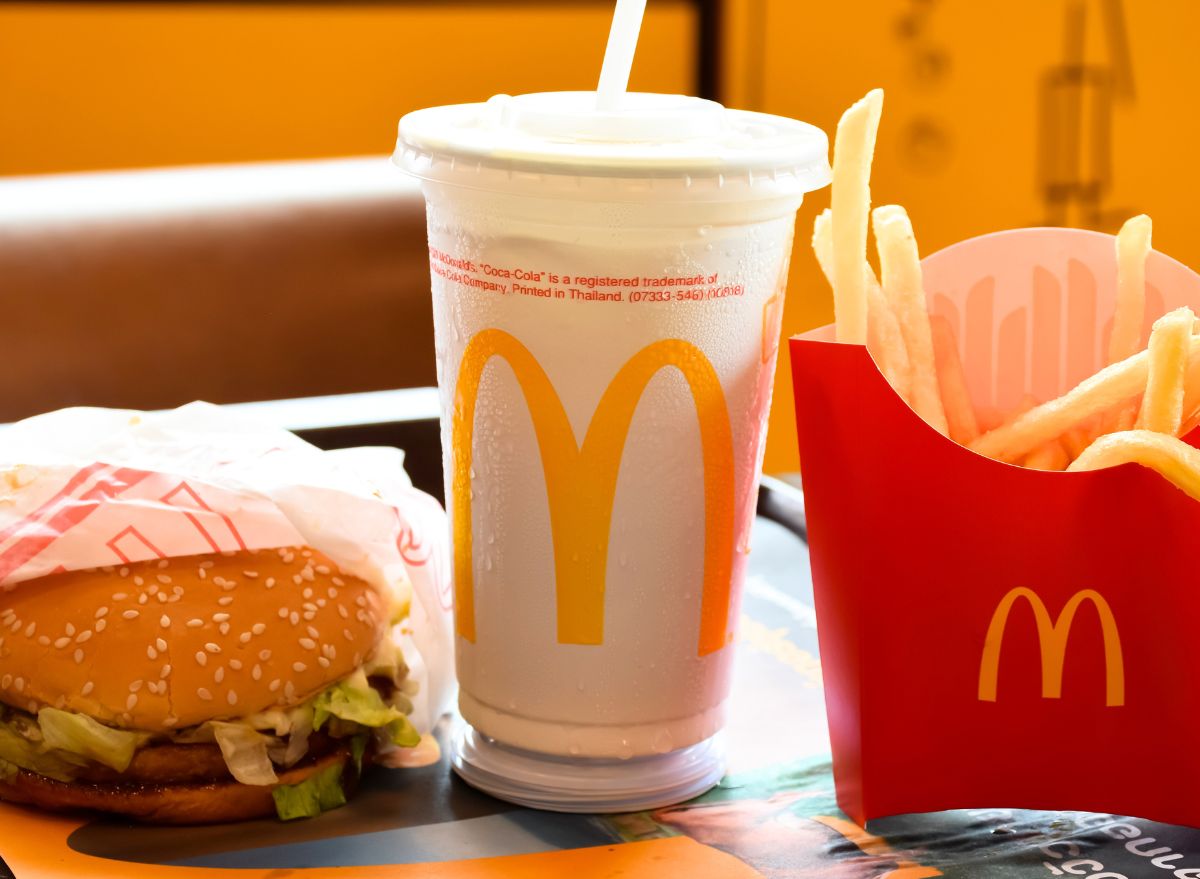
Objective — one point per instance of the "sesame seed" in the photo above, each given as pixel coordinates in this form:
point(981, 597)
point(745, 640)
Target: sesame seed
point(219, 674)
point(164, 621)
point(177, 590)
point(307, 553)
point(30, 629)
point(83, 637)
point(321, 602)
point(195, 624)
point(329, 650)
point(45, 642)
point(143, 598)
point(119, 596)
point(161, 645)
point(19, 684)
point(299, 667)
point(338, 581)
point(5, 681)
point(135, 686)
point(153, 590)
point(102, 613)
point(244, 637)
point(283, 612)
point(126, 718)
point(220, 617)
point(87, 689)
point(70, 630)
point(250, 574)
point(163, 563)
point(204, 694)
point(223, 628)
point(138, 581)
point(225, 600)
point(130, 702)
point(264, 655)
point(207, 564)
point(201, 657)
point(270, 583)
point(16, 625)
point(297, 579)
point(308, 593)
point(274, 685)
point(323, 662)
point(163, 598)
point(232, 697)
point(323, 569)
point(289, 691)
point(203, 574)
point(151, 653)
point(229, 584)
point(360, 601)
point(78, 657)
point(346, 634)
point(235, 664)
point(212, 648)
point(131, 614)
point(165, 673)
point(331, 592)
point(358, 659)
point(258, 628)
point(256, 672)
point(124, 572)
point(164, 579)
point(308, 643)
point(362, 617)
point(309, 606)
point(170, 721)
point(295, 618)
point(62, 642)
point(342, 612)
point(308, 575)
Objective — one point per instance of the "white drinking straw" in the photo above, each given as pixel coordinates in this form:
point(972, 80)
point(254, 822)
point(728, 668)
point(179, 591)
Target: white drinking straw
point(618, 56)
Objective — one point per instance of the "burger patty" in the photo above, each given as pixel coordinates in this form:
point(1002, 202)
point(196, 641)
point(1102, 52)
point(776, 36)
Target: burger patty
point(177, 803)
point(182, 764)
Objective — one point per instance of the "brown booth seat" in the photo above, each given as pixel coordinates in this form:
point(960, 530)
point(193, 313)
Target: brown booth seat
point(148, 289)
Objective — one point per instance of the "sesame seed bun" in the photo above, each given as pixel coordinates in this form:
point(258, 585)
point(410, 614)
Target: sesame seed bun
point(162, 645)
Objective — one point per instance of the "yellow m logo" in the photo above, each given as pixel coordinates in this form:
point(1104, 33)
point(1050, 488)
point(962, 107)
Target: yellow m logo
point(581, 481)
point(1052, 638)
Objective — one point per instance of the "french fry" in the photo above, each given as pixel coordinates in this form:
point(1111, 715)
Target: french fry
point(884, 340)
point(900, 270)
point(1171, 458)
point(1162, 404)
point(1082, 435)
point(854, 148)
point(1110, 387)
point(1133, 244)
point(956, 400)
point(1051, 456)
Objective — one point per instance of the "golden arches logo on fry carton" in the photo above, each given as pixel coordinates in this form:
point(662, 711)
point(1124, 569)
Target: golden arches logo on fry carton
point(581, 480)
point(1052, 635)
point(930, 552)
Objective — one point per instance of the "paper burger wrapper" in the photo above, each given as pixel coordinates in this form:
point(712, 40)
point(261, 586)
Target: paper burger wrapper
point(992, 635)
point(82, 488)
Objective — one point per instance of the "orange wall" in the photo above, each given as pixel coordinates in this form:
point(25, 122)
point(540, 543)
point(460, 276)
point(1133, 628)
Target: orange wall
point(110, 85)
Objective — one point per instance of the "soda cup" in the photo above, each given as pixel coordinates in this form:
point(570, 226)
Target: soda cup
point(608, 288)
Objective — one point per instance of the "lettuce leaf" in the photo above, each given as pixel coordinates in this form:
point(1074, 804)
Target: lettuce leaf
point(245, 753)
point(320, 793)
point(18, 751)
point(356, 701)
point(402, 733)
point(78, 734)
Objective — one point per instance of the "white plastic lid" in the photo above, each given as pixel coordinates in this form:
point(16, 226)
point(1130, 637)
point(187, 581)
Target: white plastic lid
point(648, 135)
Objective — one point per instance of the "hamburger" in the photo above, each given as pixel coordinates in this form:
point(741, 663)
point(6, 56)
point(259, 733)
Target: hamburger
point(199, 689)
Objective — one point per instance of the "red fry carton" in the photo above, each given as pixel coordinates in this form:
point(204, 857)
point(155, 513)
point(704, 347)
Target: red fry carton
point(992, 635)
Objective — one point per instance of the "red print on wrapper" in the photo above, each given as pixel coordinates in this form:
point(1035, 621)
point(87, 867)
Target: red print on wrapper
point(994, 635)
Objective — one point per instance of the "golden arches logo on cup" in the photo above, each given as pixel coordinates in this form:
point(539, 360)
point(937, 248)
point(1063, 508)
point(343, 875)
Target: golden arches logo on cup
point(1052, 640)
point(581, 480)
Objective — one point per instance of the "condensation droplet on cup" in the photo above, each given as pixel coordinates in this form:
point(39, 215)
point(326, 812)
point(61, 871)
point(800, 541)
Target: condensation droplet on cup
point(487, 562)
point(704, 230)
point(626, 750)
point(472, 472)
point(662, 742)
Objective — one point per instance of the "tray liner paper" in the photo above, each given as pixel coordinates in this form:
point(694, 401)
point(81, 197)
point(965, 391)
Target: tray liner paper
point(919, 546)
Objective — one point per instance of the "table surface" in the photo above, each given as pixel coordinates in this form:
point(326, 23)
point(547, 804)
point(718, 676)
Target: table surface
point(775, 811)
